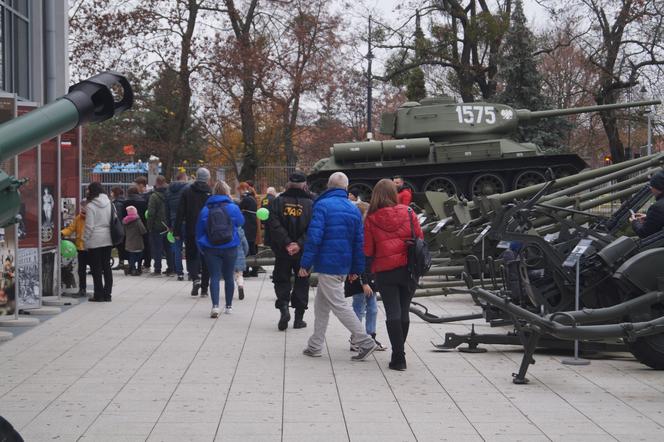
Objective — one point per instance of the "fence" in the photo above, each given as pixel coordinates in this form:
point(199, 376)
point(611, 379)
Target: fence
point(266, 176)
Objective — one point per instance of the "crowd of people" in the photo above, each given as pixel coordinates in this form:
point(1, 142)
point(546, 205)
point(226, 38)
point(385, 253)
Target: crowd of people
point(356, 248)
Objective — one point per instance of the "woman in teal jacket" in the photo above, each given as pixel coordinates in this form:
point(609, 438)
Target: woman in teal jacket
point(220, 258)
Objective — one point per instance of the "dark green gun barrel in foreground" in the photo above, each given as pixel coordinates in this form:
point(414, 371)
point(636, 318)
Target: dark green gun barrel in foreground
point(93, 100)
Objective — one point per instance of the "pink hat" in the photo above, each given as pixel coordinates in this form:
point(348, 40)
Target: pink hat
point(131, 210)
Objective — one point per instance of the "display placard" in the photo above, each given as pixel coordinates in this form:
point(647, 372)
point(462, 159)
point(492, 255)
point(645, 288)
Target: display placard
point(28, 260)
point(29, 287)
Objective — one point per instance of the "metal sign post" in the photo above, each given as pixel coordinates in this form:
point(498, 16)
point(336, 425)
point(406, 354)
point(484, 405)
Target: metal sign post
point(574, 260)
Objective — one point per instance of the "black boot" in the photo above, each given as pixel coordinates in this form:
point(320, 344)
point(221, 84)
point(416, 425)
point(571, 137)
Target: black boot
point(285, 317)
point(298, 322)
point(395, 332)
point(398, 361)
point(194, 289)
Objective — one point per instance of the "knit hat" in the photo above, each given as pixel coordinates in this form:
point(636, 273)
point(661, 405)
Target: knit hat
point(203, 175)
point(131, 210)
point(297, 177)
point(657, 181)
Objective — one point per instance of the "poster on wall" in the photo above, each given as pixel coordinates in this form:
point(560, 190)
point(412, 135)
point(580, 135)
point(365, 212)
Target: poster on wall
point(28, 277)
point(67, 211)
point(48, 272)
point(27, 265)
point(8, 260)
point(8, 234)
point(49, 195)
point(29, 234)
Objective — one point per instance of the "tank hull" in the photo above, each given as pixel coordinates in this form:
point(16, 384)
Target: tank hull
point(511, 173)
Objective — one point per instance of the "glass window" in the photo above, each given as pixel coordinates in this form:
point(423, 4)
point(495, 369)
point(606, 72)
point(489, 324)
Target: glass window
point(15, 47)
point(22, 59)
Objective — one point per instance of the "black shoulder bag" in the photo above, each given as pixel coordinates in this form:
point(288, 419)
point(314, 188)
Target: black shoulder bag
point(419, 258)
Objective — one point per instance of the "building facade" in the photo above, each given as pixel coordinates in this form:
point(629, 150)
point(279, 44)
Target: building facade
point(33, 56)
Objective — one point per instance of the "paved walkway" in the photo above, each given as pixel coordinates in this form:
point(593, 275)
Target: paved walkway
point(152, 366)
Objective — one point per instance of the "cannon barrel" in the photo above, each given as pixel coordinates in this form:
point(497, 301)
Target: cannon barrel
point(95, 99)
point(525, 114)
point(91, 100)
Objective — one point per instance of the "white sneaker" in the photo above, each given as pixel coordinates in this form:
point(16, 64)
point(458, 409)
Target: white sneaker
point(215, 312)
point(228, 310)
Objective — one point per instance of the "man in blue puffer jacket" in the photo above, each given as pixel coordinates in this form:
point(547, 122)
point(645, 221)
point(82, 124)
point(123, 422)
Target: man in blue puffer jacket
point(334, 248)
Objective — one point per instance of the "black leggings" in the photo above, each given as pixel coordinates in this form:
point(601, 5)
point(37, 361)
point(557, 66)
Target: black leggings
point(100, 264)
point(396, 289)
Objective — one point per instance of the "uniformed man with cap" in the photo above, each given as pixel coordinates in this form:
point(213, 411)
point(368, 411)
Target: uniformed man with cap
point(290, 214)
point(653, 220)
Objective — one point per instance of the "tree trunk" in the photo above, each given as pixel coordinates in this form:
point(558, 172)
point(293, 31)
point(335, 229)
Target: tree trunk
point(610, 123)
point(248, 123)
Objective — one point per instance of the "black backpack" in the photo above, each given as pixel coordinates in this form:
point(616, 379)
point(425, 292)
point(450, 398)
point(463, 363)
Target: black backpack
point(419, 258)
point(219, 227)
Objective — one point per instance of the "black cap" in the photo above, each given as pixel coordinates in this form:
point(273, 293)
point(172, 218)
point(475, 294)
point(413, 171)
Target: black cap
point(397, 177)
point(297, 177)
point(657, 181)
point(354, 192)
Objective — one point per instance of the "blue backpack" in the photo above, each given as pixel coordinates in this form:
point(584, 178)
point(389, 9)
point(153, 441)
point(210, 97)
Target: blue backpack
point(219, 228)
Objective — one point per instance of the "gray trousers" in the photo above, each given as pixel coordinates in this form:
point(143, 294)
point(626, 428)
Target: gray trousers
point(330, 298)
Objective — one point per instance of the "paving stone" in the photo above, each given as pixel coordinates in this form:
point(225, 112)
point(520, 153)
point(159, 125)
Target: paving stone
point(152, 365)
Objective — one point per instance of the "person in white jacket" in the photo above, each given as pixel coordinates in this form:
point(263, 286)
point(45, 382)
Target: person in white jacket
point(98, 241)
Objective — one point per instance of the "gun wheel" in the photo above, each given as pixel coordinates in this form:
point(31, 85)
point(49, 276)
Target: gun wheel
point(649, 350)
point(528, 178)
point(487, 184)
point(440, 184)
point(363, 189)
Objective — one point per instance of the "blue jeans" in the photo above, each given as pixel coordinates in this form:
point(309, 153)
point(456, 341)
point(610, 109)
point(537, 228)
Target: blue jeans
point(135, 260)
point(363, 304)
point(221, 264)
point(156, 249)
point(176, 248)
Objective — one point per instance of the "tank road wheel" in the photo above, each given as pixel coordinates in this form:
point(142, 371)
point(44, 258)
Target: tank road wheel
point(649, 350)
point(487, 184)
point(364, 190)
point(440, 184)
point(528, 178)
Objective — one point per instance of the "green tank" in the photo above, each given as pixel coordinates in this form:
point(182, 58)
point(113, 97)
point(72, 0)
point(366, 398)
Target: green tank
point(458, 148)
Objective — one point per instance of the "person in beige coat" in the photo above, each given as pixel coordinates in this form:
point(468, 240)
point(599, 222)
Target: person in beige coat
point(97, 239)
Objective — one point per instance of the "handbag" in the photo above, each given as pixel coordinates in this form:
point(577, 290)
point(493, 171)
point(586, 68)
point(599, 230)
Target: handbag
point(117, 229)
point(419, 258)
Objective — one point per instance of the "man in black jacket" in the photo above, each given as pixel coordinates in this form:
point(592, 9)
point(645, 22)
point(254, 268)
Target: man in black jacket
point(191, 203)
point(290, 214)
point(653, 220)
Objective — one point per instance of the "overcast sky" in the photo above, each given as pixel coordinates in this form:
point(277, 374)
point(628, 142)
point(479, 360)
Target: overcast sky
point(534, 13)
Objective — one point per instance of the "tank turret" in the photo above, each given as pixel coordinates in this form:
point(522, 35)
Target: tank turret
point(457, 148)
point(445, 120)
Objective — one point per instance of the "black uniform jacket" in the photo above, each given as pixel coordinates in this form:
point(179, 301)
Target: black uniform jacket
point(290, 214)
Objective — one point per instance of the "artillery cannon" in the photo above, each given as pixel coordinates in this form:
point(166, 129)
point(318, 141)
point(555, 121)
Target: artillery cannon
point(93, 100)
point(455, 148)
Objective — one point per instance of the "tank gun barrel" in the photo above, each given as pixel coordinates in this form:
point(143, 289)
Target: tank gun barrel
point(93, 100)
point(525, 114)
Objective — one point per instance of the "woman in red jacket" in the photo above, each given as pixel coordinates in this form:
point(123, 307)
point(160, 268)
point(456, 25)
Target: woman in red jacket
point(386, 230)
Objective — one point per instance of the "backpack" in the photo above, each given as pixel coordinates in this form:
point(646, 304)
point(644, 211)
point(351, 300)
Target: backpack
point(219, 226)
point(419, 258)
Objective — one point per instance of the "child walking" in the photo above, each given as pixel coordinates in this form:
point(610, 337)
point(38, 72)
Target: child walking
point(134, 245)
point(241, 262)
point(76, 230)
point(363, 292)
